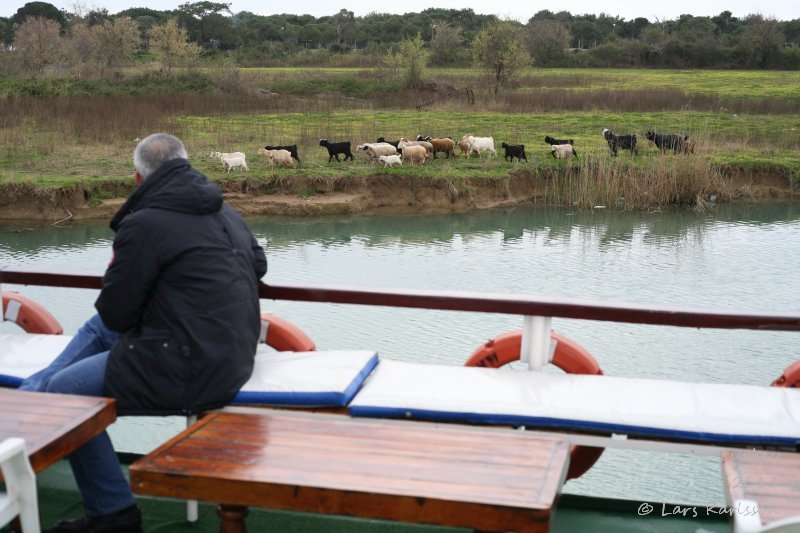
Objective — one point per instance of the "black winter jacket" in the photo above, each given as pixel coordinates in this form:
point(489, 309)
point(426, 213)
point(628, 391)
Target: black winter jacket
point(182, 289)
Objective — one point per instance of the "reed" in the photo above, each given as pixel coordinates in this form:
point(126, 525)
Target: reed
point(600, 181)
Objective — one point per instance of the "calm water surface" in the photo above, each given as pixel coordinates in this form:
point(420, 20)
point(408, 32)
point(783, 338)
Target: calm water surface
point(743, 256)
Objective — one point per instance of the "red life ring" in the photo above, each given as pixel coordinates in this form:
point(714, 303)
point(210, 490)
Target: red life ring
point(569, 356)
point(790, 376)
point(29, 315)
point(283, 335)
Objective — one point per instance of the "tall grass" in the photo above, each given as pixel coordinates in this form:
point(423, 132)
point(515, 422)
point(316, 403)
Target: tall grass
point(616, 183)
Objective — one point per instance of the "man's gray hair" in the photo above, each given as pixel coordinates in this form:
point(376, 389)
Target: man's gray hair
point(155, 150)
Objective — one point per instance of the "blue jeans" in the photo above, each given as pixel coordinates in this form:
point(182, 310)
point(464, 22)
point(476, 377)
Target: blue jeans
point(80, 369)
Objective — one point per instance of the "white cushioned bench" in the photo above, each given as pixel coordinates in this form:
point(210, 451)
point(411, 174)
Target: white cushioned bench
point(302, 379)
point(721, 414)
point(675, 411)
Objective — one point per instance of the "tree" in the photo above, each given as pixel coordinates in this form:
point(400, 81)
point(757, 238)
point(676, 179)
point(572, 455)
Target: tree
point(98, 48)
point(412, 58)
point(791, 29)
point(42, 10)
point(195, 16)
point(97, 16)
point(586, 32)
point(500, 49)
point(726, 23)
point(38, 42)
point(171, 44)
point(344, 23)
point(5, 30)
point(547, 40)
point(219, 32)
point(447, 45)
point(762, 41)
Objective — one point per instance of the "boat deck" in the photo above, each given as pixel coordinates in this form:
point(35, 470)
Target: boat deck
point(59, 498)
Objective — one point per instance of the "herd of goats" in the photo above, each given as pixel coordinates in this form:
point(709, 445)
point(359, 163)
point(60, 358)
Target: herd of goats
point(394, 153)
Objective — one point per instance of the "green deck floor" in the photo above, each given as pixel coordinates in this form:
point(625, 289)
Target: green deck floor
point(58, 498)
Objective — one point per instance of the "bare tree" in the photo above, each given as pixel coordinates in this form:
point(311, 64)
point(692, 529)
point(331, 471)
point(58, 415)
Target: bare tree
point(38, 43)
point(97, 50)
point(547, 40)
point(500, 49)
point(170, 43)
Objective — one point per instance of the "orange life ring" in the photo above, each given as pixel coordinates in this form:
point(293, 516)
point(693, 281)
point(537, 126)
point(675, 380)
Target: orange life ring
point(29, 315)
point(283, 335)
point(790, 376)
point(569, 356)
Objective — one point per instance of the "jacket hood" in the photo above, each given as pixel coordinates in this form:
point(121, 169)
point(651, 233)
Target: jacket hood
point(174, 186)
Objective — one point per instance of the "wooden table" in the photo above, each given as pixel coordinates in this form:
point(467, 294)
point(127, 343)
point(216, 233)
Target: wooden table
point(53, 425)
point(770, 479)
point(489, 479)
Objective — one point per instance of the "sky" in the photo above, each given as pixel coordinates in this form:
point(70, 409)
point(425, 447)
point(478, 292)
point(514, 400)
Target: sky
point(521, 10)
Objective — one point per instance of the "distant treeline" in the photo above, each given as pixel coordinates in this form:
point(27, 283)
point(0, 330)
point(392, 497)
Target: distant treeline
point(560, 39)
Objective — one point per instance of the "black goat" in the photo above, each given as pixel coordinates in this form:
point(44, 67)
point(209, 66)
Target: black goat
point(334, 149)
point(514, 150)
point(550, 140)
point(393, 143)
point(292, 149)
point(667, 141)
point(620, 141)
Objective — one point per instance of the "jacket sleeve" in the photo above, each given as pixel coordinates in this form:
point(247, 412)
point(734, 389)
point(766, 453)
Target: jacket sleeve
point(130, 278)
point(259, 259)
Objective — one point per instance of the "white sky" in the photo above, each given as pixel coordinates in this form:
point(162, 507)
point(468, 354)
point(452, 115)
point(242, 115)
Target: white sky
point(521, 10)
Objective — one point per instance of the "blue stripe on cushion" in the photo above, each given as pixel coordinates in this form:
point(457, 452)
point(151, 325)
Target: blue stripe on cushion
point(309, 399)
point(567, 424)
point(358, 381)
point(10, 381)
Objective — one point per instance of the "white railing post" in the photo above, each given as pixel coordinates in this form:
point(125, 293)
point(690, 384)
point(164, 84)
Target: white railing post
point(535, 349)
point(192, 512)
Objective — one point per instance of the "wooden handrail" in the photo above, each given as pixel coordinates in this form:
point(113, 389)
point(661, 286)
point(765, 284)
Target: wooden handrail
point(474, 302)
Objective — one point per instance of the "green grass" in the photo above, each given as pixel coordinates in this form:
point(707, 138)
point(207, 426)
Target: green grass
point(726, 83)
point(758, 141)
point(723, 83)
point(347, 85)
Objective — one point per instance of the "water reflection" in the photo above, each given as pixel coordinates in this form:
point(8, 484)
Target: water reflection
point(555, 223)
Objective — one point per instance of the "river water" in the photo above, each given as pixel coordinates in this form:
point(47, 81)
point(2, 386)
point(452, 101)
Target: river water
point(736, 256)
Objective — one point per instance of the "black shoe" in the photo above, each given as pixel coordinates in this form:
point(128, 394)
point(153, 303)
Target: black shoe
point(128, 520)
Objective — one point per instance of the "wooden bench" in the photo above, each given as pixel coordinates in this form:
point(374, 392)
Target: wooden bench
point(489, 479)
point(762, 490)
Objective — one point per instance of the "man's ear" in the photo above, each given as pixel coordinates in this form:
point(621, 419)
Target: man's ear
point(138, 178)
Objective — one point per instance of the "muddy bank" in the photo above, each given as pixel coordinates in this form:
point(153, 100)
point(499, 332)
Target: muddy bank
point(305, 196)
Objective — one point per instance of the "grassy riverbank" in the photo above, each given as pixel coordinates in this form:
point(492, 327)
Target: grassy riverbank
point(85, 142)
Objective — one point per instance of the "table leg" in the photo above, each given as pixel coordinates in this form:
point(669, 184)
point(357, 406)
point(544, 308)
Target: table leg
point(232, 518)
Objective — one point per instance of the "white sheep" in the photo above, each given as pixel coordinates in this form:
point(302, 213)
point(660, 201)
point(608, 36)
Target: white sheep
point(478, 145)
point(562, 151)
point(425, 144)
point(220, 155)
point(415, 153)
point(231, 160)
point(390, 160)
point(374, 150)
point(282, 157)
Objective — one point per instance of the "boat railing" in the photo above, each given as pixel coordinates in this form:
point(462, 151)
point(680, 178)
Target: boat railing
point(526, 305)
